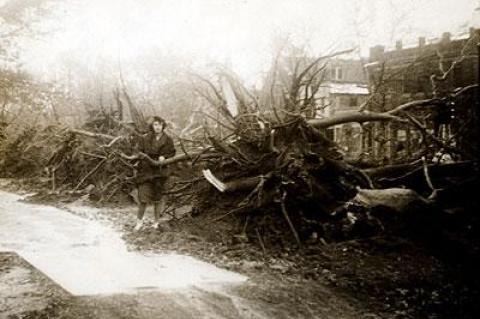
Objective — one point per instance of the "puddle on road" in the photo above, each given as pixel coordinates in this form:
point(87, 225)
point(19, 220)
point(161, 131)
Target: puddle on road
point(87, 258)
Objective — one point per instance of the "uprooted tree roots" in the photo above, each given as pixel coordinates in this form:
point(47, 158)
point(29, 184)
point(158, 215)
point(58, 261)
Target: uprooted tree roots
point(289, 187)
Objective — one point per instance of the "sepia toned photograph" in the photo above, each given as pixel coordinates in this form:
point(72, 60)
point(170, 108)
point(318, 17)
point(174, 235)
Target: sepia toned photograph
point(239, 159)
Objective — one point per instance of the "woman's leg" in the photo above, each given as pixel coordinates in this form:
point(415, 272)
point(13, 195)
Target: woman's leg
point(141, 210)
point(145, 191)
point(159, 202)
point(158, 210)
point(140, 214)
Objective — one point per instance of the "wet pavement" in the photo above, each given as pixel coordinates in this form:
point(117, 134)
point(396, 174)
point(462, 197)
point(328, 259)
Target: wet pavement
point(91, 264)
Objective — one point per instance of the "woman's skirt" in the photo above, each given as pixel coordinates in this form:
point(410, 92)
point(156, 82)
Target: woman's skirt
point(151, 191)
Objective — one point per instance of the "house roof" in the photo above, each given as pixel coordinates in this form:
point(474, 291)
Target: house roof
point(347, 88)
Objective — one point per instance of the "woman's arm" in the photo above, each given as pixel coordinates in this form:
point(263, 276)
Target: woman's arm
point(168, 149)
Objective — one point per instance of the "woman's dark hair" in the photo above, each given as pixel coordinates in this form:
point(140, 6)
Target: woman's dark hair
point(159, 120)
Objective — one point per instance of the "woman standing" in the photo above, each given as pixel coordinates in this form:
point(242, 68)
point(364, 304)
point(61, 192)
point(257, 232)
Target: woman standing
point(154, 148)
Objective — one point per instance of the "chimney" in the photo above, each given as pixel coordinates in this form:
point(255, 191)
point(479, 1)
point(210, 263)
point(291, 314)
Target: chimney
point(398, 45)
point(446, 37)
point(422, 41)
point(376, 53)
point(474, 32)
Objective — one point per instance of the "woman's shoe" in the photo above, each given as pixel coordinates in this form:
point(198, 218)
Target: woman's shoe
point(139, 225)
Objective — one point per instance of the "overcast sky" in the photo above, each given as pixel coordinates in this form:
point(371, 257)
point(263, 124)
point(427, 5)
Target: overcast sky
point(241, 32)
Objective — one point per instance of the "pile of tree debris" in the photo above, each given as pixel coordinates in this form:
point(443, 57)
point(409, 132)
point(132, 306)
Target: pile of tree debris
point(265, 164)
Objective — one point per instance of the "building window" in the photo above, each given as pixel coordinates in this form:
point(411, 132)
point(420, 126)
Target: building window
point(353, 101)
point(402, 135)
point(330, 133)
point(336, 73)
point(458, 76)
point(339, 74)
point(409, 81)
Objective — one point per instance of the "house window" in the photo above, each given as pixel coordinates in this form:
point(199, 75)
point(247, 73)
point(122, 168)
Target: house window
point(330, 133)
point(353, 101)
point(409, 82)
point(336, 73)
point(339, 73)
point(458, 76)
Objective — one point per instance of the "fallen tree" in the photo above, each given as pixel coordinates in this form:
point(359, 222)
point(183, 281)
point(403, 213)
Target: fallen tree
point(263, 162)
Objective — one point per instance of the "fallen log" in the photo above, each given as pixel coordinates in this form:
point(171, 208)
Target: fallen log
point(240, 184)
point(172, 160)
point(398, 210)
point(397, 199)
point(353, 117)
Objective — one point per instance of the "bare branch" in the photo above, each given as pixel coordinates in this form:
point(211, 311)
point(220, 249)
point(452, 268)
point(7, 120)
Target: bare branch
point(92, 134)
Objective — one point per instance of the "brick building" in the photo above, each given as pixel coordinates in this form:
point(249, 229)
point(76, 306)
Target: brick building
point(427, 70)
